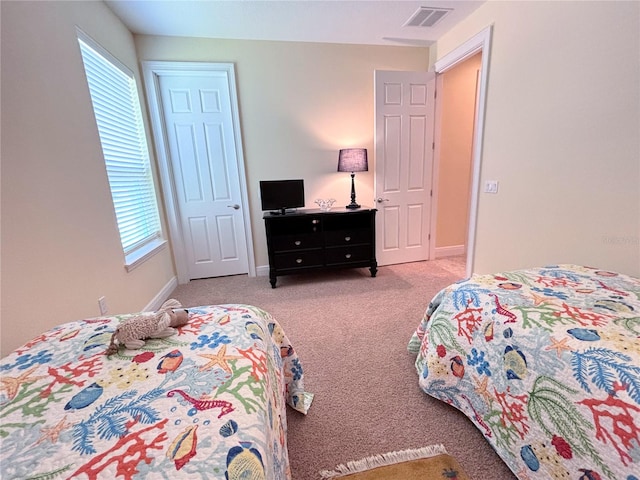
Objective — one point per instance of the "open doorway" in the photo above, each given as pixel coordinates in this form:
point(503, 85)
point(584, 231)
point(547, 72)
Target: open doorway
point(456, 108)
point(479, 43)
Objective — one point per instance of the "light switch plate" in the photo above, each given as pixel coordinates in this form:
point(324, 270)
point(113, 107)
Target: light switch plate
point(491, 186)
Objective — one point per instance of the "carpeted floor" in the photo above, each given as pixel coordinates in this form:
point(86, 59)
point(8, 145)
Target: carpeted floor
point(351, 332)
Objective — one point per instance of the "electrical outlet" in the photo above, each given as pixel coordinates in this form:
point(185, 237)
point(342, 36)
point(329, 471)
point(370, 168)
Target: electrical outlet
point(102, 304)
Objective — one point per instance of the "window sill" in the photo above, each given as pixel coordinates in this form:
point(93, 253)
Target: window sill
point(142, 254)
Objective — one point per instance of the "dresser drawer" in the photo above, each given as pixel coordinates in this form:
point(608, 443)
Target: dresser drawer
point(296, 242)
point(345, 255)
point(359, 220)
point(302, 259)
point(294, 225)
point(347, 237)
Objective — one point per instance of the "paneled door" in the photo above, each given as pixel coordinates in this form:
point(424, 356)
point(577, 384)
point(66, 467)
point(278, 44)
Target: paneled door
point(201, 150)
point(404, 122)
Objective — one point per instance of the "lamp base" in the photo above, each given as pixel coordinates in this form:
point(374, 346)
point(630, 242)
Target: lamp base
point(353, 205)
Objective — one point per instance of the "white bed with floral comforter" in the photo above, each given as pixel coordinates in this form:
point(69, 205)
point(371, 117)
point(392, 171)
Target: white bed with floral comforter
point(546, 363)
point(208, 402)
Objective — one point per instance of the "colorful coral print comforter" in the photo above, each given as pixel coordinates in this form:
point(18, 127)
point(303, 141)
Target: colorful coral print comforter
point(546, 363)
point(208, 402)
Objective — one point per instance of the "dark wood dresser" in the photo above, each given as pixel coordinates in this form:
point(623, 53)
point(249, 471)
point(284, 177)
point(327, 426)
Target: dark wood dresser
point(312, 239)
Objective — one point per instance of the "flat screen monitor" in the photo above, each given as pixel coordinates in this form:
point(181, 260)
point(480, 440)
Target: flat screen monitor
point(279, 195)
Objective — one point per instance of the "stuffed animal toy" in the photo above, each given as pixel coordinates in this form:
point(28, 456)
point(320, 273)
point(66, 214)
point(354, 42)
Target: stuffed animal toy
point(135, 330)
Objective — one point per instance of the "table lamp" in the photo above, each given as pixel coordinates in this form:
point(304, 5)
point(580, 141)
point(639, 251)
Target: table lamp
point(353, 160)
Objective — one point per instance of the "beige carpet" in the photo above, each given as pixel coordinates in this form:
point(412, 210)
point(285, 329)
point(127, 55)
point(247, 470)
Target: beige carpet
point(351, 332)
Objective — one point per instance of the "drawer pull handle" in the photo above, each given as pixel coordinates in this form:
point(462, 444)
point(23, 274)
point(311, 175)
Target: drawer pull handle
point(297, 243)
point(348, 255)
point(347, 239)
point(315, 222)
point(298, 260)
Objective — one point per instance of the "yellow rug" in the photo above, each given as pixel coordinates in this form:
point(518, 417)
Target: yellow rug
point(428, 463)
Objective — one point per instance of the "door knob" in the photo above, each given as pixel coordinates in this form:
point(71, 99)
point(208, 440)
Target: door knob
point(380, 199)
point(235, 206)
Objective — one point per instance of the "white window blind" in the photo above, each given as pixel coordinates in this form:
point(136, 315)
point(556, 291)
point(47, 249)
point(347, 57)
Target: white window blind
point(117, 111)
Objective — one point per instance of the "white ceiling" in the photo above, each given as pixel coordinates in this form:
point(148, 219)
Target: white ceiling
point(369, 22)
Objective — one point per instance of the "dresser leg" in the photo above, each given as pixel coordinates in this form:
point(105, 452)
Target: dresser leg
point(272, 280)
point(373, 268)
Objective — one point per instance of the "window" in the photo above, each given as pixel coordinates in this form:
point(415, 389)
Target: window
point(116, 107)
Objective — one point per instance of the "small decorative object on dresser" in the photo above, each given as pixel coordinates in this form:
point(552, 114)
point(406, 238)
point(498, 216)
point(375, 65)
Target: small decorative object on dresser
point(325, 205)
point(314, 239)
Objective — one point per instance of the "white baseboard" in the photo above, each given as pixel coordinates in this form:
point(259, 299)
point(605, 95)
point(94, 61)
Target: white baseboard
point(162, 295)
point(262, 271)
point(451, 251)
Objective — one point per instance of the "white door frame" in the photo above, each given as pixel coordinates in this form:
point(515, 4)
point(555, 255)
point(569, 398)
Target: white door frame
point(481, 42)
point(152, 70)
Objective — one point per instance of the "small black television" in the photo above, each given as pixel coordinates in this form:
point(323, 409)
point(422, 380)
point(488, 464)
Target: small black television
point(279, 195)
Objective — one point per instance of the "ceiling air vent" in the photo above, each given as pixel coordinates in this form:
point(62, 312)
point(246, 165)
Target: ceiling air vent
point(427, 17)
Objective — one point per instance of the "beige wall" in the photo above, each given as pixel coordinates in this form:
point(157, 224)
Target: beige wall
point(562, 134)
point(457, 96)
point(299, 104)
point(60, 244)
